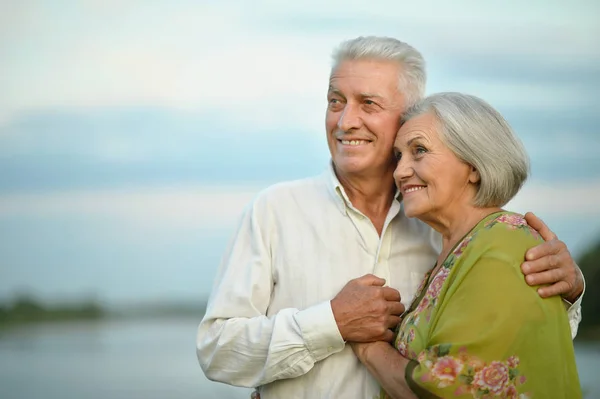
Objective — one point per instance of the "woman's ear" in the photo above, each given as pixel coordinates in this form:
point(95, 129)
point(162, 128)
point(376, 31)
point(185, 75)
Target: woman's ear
point(474, 176)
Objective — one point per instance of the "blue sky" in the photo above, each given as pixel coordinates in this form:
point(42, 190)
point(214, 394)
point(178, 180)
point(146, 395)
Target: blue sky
point(133, 134)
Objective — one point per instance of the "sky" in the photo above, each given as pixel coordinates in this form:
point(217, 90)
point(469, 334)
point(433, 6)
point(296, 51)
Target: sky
point(132, 134)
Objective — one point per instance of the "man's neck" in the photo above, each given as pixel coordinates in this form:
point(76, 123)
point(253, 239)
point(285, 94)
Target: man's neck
point(371, 195)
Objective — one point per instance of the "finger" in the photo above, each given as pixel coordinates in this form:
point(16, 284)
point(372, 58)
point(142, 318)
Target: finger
point(388, 336)
point(547, 277)
point(540, 250)
point(560, 288)
point(546, 248)
point(390, 294)
point(540, 264)
point(393, 321)
point(539, 225)
point(371, 279)
point(395, 308)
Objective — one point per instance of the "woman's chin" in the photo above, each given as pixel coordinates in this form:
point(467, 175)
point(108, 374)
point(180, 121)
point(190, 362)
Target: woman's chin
point(412, 211)
point(409, 214)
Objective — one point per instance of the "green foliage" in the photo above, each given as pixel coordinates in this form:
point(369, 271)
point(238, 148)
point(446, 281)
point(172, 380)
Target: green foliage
point(589, 263)
point(26, 309)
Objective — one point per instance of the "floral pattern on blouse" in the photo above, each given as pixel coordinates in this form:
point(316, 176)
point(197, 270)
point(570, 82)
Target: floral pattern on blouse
point(425, 306)
point(480, 379)
point(473, 376)
point(513, 222)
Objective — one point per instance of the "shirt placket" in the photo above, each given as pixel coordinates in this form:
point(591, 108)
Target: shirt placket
point(378, 247)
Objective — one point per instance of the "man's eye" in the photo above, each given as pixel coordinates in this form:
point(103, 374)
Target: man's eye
point(420, 150)
point(334, 104)
point(398, 155)
point(370, 102)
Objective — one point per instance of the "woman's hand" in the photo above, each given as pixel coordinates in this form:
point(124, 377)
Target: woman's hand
point(361, 348)
point(387, 365)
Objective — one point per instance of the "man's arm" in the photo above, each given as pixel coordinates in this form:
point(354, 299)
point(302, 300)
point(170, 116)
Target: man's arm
point(237, 343)
point(551, 264)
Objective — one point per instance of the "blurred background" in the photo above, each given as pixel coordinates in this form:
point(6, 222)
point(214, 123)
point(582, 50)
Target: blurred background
point(132, 134)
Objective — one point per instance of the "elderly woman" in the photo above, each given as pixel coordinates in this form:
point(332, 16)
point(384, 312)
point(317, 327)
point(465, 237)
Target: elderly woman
point(474, 329)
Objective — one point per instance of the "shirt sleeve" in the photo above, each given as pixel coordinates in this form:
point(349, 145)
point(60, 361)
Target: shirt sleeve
point(237, 343)
point(574, 312)
point(491, 336)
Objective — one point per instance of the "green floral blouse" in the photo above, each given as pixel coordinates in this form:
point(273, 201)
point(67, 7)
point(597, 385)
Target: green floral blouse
point(476, 330)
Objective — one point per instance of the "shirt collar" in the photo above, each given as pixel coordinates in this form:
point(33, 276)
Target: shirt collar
point(339, 194)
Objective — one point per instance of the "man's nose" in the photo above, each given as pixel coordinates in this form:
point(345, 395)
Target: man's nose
point(349, 119)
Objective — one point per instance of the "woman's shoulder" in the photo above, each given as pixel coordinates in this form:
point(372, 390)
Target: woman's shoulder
point(507, 232)
point(510, 224)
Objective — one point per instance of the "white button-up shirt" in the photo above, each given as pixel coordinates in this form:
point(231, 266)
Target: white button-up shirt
point(269, 322)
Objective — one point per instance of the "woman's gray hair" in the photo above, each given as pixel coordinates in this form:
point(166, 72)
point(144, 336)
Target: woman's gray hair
point(481, 137)
point(412, 77)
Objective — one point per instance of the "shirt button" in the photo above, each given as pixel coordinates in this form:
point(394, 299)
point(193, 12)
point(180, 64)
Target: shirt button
point(330, 348)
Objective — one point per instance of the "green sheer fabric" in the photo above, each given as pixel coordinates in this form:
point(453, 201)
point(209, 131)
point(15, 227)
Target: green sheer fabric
point(477, 330)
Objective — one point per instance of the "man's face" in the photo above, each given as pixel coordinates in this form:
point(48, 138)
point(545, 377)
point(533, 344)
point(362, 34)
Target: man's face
point(363, 116)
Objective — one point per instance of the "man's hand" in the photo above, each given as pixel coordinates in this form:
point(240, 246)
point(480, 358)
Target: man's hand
point(365, 310)
point(551, 263)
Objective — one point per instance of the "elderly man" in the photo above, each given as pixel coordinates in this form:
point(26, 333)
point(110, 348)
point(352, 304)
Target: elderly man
point(319, 262)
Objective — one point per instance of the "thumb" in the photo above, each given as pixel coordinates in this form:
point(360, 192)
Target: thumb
point(371, 279)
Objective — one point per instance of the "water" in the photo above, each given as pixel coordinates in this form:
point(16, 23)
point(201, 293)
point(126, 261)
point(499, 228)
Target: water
point(132, 359)
point(147, 359)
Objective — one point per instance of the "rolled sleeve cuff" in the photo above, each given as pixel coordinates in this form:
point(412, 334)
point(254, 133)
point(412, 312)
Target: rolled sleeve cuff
point(320, 331)
point(574, 312)
point(577, 304)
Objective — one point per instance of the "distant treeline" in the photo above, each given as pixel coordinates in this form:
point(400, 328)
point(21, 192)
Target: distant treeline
point(590, 266)
point(25, 309)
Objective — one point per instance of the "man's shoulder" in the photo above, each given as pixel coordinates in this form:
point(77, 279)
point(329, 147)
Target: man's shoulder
point(306, 188)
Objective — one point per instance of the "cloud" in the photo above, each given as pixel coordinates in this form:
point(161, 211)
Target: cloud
point(461, 27)
point(117, 147)
point(156, 207)
point(559, 199)
point(162, 56)
point(266, 63)
point(530, 96)
point(211, 206)
point(132, 134)
point(109, 147)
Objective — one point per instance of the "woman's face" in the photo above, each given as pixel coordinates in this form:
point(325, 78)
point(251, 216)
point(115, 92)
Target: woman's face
point(435, 184)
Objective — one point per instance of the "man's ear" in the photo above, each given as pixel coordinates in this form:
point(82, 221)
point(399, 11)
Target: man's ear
point(474, 176)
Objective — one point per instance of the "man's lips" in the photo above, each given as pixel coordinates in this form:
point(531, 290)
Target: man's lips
point(354, 142)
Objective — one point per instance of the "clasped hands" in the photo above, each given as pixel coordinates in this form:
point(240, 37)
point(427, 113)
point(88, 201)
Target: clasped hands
point(366, 311)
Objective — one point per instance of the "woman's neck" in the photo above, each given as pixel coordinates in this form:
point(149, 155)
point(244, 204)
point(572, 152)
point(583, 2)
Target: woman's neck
point(453, 226)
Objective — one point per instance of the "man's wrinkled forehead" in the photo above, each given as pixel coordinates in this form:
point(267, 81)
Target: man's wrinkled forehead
point(367, 79)
point(333, 90)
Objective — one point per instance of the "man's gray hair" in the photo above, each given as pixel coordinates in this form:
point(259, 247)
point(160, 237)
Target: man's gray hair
point(481, 137)
point(412, 77)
